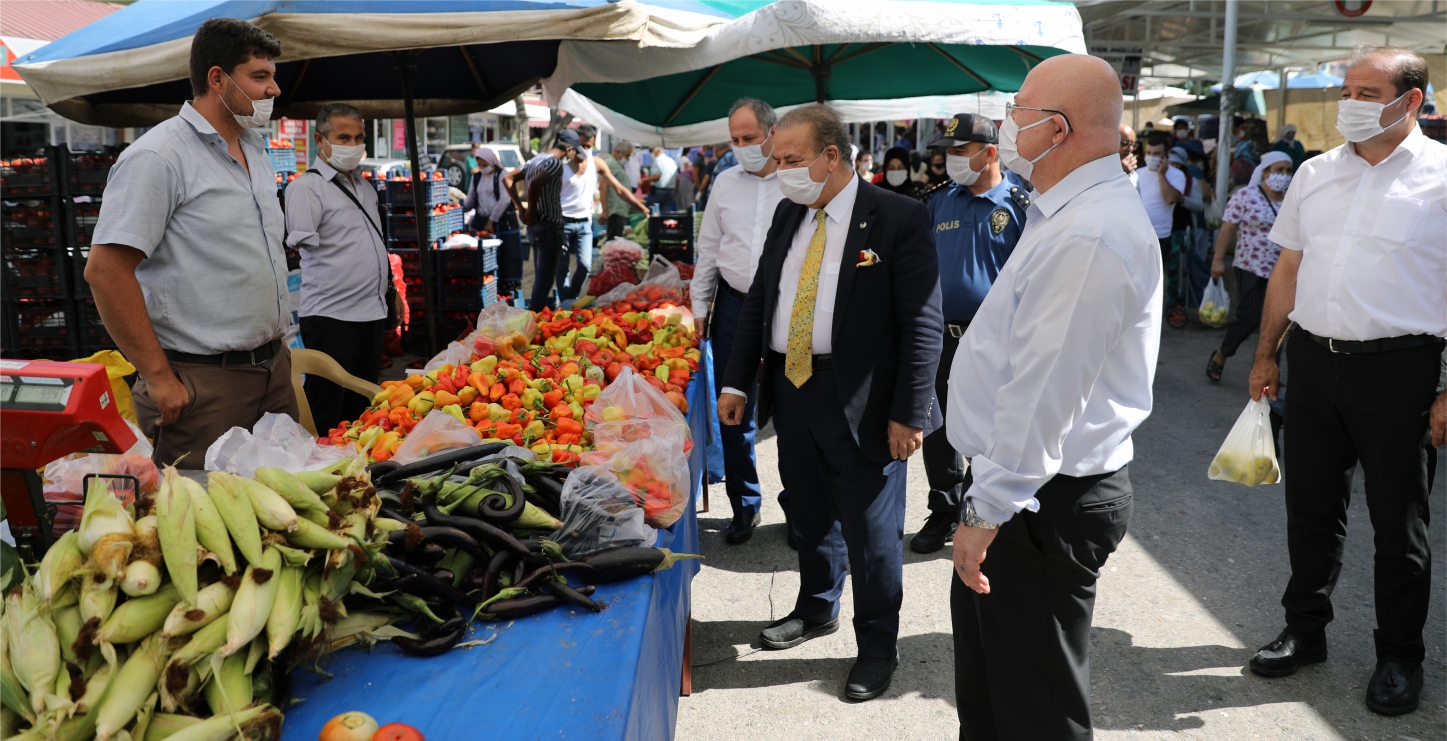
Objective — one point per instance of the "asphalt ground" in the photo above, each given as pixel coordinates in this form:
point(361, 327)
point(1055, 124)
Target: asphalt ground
point(1192, 591)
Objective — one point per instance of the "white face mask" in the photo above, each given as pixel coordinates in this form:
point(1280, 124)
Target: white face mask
point(1010, 156)
point(587, 153)
point(1153, 163)
point(346, 158)
point(260, 109)
point(752, 157)
point(798, 186)
point(1360, 120)
point(960, 171)
point(896, 177)
point(1278, 181)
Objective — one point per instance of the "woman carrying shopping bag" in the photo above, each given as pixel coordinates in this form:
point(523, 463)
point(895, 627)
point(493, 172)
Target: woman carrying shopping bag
point(1249, 216)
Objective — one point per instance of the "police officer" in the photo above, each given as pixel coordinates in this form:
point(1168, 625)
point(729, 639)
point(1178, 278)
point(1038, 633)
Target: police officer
point(978, 215)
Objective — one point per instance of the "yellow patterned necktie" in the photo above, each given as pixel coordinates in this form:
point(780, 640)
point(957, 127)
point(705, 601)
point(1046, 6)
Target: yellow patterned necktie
point(799, 360)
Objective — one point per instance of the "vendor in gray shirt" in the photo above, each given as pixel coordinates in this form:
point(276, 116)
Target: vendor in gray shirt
point(332, 219)
point(187, 266)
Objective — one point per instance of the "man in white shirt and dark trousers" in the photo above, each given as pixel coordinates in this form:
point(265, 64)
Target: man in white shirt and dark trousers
point(1161, 187)
point(1363, 274)
point(332, 219)
point(730, 240)
point(844, 314)
point(1050, 380)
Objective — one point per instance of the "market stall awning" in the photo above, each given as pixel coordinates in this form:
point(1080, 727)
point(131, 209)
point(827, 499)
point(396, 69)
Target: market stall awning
point(801, 51)
point(130, 68)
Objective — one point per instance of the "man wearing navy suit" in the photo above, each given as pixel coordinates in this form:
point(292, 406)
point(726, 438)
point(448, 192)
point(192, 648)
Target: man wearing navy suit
point(844, 313)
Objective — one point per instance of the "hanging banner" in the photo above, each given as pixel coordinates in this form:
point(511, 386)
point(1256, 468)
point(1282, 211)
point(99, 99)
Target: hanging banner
point(1127, 63)
point(399, 135)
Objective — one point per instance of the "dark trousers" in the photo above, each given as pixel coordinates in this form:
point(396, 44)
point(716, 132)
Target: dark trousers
point(661, 197)
point(547, 241)
point(846, 510)
point(357, 347)
point(1251, 297)
point(1369, 409)
point(509, 253)
point(616, 224)
point(741, 473)
point(1170, 263)
point(1022, 652)
point(943, 465)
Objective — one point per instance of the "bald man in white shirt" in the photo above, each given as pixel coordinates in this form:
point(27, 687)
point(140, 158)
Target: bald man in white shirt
point(1050, 380)
point(1363, 274)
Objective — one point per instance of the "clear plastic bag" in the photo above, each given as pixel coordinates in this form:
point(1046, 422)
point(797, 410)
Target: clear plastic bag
point(655, 469)
point(1248, 456)
point(436, 432)
point(661, 283)
point(598, 513)
point(1215, 304)
point(617, 293)
point(276, 440)
point(503, 330)
point(611, 437)
point(631, 397)
point(456, 354)
point(64, 477)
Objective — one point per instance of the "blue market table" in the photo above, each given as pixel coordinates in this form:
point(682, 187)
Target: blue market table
point(563, 674)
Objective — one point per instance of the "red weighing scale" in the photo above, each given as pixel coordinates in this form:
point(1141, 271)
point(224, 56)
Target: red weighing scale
point(49, 410)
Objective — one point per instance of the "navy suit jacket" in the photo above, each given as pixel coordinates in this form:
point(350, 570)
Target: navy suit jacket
point(888, 331)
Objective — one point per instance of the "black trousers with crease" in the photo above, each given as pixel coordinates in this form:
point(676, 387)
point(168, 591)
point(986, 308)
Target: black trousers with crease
point(357, 347)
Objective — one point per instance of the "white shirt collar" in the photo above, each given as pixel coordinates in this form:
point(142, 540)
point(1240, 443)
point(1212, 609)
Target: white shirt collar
point(1078, 181)
point(325, 168)
point(203, 127)
point(841, 206)
point(1413, 145)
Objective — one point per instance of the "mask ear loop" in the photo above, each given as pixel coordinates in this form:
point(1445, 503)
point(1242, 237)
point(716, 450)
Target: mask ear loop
point(1404, 113)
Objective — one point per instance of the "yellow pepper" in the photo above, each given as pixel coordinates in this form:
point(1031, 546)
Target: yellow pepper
point(577, 409)
point(543, 450)
point(636, 350)
point(612, 414)
point(661, 372)
point(589, 332)
point(535, 429)
point(676, 364)
point(456, 411)
point(486, 365)
point(422, 403)
point(382, 395)
point(693, 354)
point(497, 412)
point(532, 398)
point(591, 392)
point(466, 395)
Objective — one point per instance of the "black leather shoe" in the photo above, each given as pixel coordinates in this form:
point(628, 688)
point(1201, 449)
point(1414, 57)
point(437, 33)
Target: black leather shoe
point(937, 529)
point(792, 631)
point(1289, 652)
point(1394, 688)
point(742, 528)
point(870, 678)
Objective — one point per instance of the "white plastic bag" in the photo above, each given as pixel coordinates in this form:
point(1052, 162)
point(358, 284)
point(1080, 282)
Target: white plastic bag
point(1249, 455)
point(598, 513)
point(1215, 304)
point(454, 355)
point(277, 440)
point(436, 432)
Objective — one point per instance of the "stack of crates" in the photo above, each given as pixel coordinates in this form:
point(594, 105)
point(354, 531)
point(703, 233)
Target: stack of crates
point(38, 298)
point(672, 236)
point(465, 281)
point(87, 173)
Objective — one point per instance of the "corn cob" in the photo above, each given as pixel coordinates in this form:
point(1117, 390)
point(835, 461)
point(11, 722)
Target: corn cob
point(230, 688)
point(177, 526)
point(111, 553)
point(166, 725)
point(59, 564)
point(281, 623)
point(311, 515)
point(131, 686)
point(139, 617)
point(102, 515)
point(67, 628)
point(292, 489)
point(272, 511)
point(141, 578)
point(143, 718)
point(34, 646)
point(252, 605)
point(236, 512)
point(311, 535)
point(97, 596)
point(211, 602)
point(317, 481)
point(223, 727)
point(210, 528)
point(180, 680)
point(95, 687)
point(12, 694)
point(203, 643)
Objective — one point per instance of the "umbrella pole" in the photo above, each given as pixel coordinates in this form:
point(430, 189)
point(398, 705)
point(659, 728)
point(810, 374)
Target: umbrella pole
point(420, 187)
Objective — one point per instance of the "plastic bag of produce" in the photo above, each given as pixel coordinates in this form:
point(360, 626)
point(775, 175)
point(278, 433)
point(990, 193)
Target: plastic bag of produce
point(611, 437)
point(616, 294)
point(276, 440)
point(631, 397)
point(1215, 304)
point(655, 469)
point(503, 330)
point(64, 477)
point(1248, 456)
point(436, 432)
point(598, 513)
point(456, 354)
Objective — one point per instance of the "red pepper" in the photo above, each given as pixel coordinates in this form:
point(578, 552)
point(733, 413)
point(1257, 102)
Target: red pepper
point(552, 398)
point(517, 386)
point(511, 401)
point(385, 424)
point(445, 384)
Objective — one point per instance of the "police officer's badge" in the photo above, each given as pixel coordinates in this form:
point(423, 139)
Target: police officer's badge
point(999, 219)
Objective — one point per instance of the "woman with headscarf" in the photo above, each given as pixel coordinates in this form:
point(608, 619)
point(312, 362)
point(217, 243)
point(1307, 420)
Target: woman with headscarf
point(895, 177)
point(1248, 219)
point(492, 211)
point(1286, 142)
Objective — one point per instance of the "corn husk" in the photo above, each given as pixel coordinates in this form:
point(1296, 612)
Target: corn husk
point(230, 688)
point(166, 725)
point(181, 681)
point(203, 643)
point(535, 518)
point(272, 511)
point(211, 603)
point(252, 605)
point(12, 695)
point(132, 684)
point(58, 566)
point(311, 535)
point(112, 553)
point(223, 727)
point(95, 687)
point(143, 718)
point(210, 528)
point(34, 646)
point(141, 578)
point(139, 617)
point(102, 515)
point(310, 620)
point(177, 526)
point(67, 628)
point(281, 623)
point(97, 595)
point(235, 509)
point(318, 482)
point(292, 489)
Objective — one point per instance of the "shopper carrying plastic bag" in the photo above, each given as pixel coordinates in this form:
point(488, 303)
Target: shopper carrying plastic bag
point(1215, 304)
point(1248, 456)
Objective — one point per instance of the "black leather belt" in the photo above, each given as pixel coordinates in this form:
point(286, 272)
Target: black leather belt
point(1356, 347)
point(234, 357)
point(736, 293)
point(956, 330)
point(571, 220)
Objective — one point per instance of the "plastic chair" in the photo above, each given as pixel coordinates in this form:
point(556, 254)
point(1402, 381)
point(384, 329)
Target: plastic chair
point(317, 363)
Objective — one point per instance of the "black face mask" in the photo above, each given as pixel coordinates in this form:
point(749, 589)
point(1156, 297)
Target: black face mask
point(937, 166)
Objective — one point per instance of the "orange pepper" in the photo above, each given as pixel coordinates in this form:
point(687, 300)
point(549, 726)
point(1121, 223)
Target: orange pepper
point(552, 398)
point(496, 392)
point(486, 427)
point(445, 398)
point(569, 427)
point(671, 352)
point(567, 439)
point(562, 411)
point(506, 430)
point(416, 382)
point(517, 385)
point(475, 380)
point(401, 396)
point(511, 401)
point(477, 412)
point(389, 384)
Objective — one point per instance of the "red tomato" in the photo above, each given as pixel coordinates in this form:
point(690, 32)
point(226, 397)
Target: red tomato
point(397, 732)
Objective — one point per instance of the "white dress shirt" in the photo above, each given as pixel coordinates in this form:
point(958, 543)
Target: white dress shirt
point(344, 267)
point(1148, 183)
point(731, 237)
point(836, 230)
point(1373, 242)
point(666, 170)
point(1055, 371)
